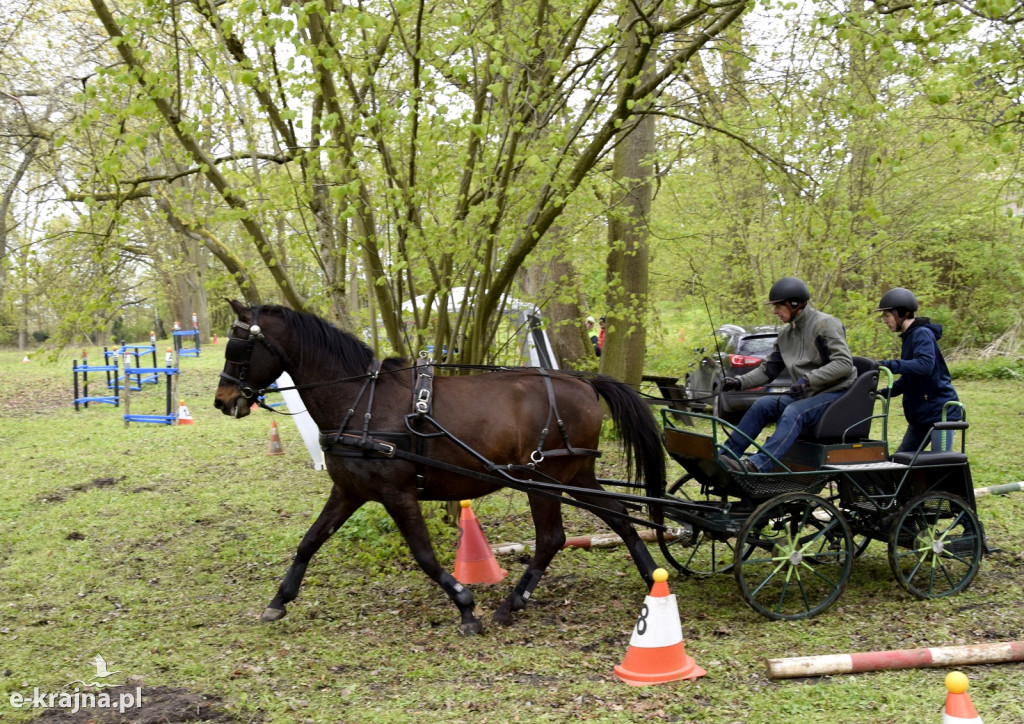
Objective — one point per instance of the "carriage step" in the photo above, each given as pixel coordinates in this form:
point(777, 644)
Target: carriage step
point(883, 465)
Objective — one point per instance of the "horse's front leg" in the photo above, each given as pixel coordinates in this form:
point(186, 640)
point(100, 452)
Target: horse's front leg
point(547, 523)
point(405, 510)
point(338, 508)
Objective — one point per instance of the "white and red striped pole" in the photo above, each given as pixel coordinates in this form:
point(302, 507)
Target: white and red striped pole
point(789, 668)
point(999, 489)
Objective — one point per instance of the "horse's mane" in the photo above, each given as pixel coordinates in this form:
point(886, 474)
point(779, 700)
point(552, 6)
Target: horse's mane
point(314, 333)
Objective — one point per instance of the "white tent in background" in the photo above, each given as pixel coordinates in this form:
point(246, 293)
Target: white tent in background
point(526, 316)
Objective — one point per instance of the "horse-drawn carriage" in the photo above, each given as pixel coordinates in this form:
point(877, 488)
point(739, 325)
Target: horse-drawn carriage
point(399, 434)
point(790, 536)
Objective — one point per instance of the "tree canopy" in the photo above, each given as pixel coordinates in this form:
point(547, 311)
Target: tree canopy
point(363, 160)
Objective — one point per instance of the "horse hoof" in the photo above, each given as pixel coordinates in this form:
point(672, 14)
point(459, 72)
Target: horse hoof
point(502, 618)
point(470, 629)
point(272, 614)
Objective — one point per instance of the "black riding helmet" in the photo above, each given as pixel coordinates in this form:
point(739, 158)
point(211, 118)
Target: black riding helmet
point(790, 290)
point(899, 300)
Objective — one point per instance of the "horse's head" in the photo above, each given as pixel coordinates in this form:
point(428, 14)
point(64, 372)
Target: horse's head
point(252, 360)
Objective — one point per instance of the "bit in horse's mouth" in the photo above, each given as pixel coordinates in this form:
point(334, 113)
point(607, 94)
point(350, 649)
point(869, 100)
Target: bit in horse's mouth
point(241, 408)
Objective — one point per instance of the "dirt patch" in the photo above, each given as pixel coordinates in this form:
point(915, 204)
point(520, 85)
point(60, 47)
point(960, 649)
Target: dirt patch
point(97, 483)
point(35, 397)
point(59, 496)
point(160, 705)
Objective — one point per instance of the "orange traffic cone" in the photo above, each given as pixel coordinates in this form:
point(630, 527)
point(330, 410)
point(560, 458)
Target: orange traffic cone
point(959, 709)
point(656, 653)
point(474, 560)
point(184, 416)
point(275, 440)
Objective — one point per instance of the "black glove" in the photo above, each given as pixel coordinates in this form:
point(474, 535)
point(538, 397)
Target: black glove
point(800, 387)
point(730, 383)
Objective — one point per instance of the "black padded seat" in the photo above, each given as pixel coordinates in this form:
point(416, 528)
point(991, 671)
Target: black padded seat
point(930, 458)
point(848, 418)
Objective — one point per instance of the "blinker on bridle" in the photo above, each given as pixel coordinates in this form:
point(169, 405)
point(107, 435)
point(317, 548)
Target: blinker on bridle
point(239, 351)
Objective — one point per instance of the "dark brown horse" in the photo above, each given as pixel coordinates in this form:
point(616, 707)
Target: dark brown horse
point(475, 431)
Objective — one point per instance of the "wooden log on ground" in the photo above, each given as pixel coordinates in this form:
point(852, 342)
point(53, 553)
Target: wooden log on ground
point(789, 668)
point(603, 540)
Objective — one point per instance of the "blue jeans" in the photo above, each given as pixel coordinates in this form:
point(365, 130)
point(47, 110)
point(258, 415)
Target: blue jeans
point(916, 434)
point(791, 415)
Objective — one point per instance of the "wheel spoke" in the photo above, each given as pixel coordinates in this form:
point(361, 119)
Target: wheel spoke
point(945, 571)
point(816, 571)
point(770, 576)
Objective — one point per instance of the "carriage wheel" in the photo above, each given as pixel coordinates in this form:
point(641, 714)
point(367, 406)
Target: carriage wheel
point(793, 556)
point(860, 544)
point(935, 547)
point(701, 556)
point(675, 490)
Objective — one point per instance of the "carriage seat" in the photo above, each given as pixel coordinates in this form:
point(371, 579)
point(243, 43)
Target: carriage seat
point(848, 418)
point(936, 457)
point(930, 458)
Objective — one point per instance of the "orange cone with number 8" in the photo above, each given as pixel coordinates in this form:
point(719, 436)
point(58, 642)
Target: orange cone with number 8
point(656, 653)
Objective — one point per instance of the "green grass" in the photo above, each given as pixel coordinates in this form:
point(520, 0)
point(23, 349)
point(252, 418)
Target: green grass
point(158, 547)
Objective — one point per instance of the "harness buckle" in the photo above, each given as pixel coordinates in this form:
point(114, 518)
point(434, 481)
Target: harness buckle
point(537, 457)
point(423, 402)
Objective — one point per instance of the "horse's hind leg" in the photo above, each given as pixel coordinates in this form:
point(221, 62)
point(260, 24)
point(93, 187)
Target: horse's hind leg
point(338, 508)
point(405, 510)
point(547, 522)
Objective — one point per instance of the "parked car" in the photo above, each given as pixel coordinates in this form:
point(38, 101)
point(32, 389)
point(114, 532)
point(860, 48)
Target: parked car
point(739, 350)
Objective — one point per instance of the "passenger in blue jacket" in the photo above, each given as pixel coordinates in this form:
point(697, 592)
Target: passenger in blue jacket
point(924, 378)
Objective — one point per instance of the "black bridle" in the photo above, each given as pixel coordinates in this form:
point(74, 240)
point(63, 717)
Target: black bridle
point(238, 351)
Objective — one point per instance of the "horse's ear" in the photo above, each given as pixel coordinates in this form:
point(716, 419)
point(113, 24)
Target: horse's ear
point(240, 307)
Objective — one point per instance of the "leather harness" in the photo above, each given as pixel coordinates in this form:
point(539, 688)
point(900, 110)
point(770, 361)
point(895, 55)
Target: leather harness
point(422, 425)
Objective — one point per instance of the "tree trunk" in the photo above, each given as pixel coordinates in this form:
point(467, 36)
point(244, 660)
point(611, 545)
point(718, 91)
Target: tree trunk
point(628, 256)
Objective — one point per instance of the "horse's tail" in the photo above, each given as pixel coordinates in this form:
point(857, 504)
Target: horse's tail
point(639, 430)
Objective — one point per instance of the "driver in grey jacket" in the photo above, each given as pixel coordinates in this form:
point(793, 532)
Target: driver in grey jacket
point(812, 348)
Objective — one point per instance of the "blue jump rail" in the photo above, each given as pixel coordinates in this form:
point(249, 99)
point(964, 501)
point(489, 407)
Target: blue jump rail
point(160, 419)
point(171, 418)
point(137, 350)
point(178, 338)
point(86, 398)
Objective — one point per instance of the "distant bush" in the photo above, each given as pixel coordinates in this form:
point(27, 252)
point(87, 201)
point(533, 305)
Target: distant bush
point(40, 336)
point(993, 368)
